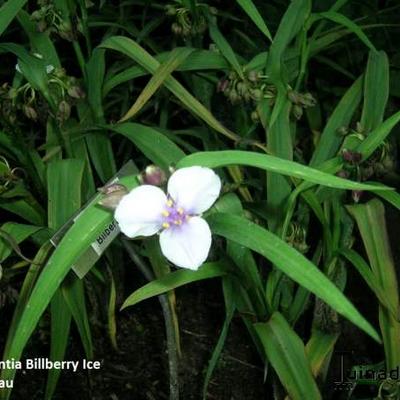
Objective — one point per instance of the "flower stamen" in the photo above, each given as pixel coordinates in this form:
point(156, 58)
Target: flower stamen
point(165, 225)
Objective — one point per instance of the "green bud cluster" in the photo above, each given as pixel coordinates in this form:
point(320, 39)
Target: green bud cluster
point(382, 162)
point(25, 102)
point(296, 237)
point(185, 23)
point(49, 19)
point(300, 101)
point(250, 89)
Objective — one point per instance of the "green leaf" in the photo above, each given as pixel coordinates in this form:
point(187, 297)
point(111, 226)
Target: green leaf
point(250, 9)
point(74, 295)
point(65, 199)
point(11, 234)
point(224, 47)
point(292, 21)
point(285, 351)
point(101, 154)
point(289, 261)
point(319, 350)
point(25, 291)
point(8, 12)
point(376, 90)
point(153, 144)
point(174, 280)
point(230, 306)
point(59, 335)
point(215, 159)
point(370, 218)
point(349, 24)
point(365, 271)
point(279, 139)
point(176, 57)
point(330, 139)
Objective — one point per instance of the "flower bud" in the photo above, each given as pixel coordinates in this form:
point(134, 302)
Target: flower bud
point(176, 29)
point(351, 157)
point(343, 131)
point(222, 85)
point(256, 94)
point(76, 92)
point(112, 195)
point(356, 195)
point(36, 16)
point(255, 117)
point(342, 174)
point(41, 26)
point(233, 96)
point(153, 175)
point(293, 96)
point(64, 110)
point(297, 111)
point(170, 10)
point(241, 88)
point(30, 112)
point(252, 76)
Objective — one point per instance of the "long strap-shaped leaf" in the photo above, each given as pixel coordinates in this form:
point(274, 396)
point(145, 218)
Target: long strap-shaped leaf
point(288, 260)
point(285, 351)
point(251, 10)
point(8, 11)
point(370, 218)
point(142, 57)
point(176, 57)
point(215, 159)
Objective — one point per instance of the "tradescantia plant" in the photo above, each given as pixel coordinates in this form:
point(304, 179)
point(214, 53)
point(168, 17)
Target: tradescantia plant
point(263, 153)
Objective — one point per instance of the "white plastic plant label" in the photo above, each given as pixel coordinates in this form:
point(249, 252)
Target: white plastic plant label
point(111, 230)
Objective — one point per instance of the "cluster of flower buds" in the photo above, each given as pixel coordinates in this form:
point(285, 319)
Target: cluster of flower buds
point(250, 88)
point(28, 102)
point(66, 91)
point(187, 25)
point(48, 18)
point(300, 101)
point(296, 237)
point(380, 163)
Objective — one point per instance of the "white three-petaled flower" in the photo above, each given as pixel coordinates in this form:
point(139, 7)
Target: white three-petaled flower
point(185, 237)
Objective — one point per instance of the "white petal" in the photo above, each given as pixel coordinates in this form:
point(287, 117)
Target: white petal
point(188, 245)
point(195, 189)
point(139, 213)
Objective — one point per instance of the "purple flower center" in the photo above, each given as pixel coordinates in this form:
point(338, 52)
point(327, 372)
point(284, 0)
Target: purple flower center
point(173, 215)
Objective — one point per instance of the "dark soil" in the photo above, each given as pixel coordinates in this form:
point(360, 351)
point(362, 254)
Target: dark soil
point(139, 370)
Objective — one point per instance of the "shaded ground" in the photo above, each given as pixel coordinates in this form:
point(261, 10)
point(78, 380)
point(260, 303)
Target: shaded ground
point(139, 370)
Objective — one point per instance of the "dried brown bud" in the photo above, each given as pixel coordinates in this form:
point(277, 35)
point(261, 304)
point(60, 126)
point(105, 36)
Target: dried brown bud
point(76, 92)
point(64, 110)
point(112, 195)
point(30, 112)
